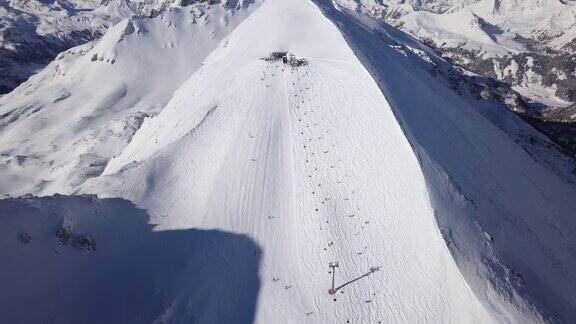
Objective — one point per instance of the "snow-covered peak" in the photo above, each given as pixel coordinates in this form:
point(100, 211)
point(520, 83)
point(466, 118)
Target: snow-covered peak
point(216, 161)
point(33, 32)
point(88, 103)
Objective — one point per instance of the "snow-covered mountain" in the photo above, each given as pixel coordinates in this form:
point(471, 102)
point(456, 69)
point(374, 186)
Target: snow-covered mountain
point(175, 171)
point(527, 45)
point(33, 32)
point(86, 105)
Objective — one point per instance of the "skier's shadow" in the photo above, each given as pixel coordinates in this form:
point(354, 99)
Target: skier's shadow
point(372, 270)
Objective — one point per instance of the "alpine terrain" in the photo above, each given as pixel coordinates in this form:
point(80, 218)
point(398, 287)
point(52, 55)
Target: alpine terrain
point(281, 161)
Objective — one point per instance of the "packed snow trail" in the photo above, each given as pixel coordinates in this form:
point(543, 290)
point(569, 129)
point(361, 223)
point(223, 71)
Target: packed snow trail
point(311, 163)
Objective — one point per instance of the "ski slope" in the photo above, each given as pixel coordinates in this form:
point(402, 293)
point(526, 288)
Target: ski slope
point(505, 214)
point(85, 106)
point(311, 163)
point(255, 175)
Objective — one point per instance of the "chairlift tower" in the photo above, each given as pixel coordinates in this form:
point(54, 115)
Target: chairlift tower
point(333, 266)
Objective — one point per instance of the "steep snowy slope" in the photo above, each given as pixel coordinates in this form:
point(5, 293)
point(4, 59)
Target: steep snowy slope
point(85, 106)
point(506, 218)
point(309, 162)
point(33, 32)
point(312, 164)
point(255, 175)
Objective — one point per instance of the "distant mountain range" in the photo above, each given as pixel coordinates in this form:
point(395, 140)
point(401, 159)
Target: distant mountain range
point(527, 45)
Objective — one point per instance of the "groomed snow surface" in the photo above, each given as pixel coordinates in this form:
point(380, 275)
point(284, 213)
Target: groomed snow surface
point(229, 203)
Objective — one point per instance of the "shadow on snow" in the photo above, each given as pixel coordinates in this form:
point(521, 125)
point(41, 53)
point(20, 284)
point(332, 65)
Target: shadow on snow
point(133, 275)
